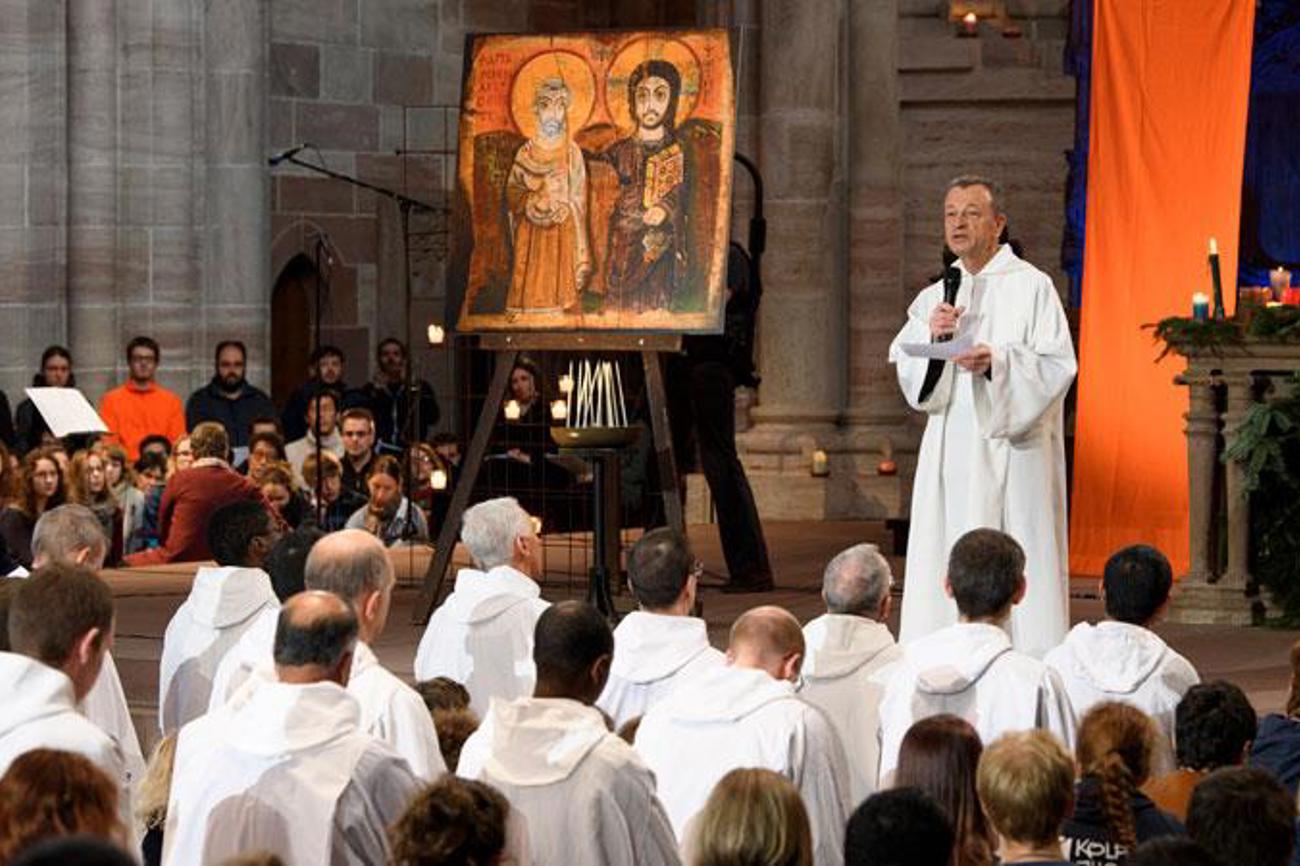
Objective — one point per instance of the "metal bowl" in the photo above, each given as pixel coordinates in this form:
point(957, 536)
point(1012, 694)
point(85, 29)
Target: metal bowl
point(595, 437)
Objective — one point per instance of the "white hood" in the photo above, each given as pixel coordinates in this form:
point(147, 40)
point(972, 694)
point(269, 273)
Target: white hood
point(1115, 657)
point(649, 647)
point(480, 596)
point(726, 694)
point(275, 718)
point(33, 691)
point(541, 741)
point(953, 659)
point(838, 644)
point(223, 596)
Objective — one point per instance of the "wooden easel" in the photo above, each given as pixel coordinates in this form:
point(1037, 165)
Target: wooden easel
point(507, 347)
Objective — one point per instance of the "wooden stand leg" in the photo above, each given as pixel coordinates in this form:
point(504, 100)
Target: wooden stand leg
point(437, 573)
point(663, 440)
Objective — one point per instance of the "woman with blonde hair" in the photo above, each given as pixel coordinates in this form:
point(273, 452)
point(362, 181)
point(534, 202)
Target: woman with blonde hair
point(753, 817)
point(940, 755)
point(88, 485)
point(1112, 816)
point(42, 489)
point(151, 799)
point(47, 793)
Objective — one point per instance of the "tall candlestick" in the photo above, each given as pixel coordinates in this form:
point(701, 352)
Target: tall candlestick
point(1217, 280)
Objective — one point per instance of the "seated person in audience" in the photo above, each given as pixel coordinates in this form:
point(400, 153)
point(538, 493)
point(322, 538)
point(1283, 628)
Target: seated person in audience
point(357, 427)
point(454, 727)
point(1213, 727)
point(660, 645)
point(151, 481)
point(355, 567)
point(850, 653)
point(1026, 785)
point(1120, 658)
point(747, 714)
point(1277, 742)
point(585, 795)
point(121, 481)
point(287, 769)
point(162, 446)
point(386, 398)
point(940, 756)
point(223, 603)
point(339, 502)
point(47, 794)
point(263, 450)
point(899, 827)
point(453, 821)
point(428, 470)
point(229, 399)
point(192, 495)
point(82, 850)
point(325, 371)
point(753, 817)
point(1171, 851)
point(322, 410)
point(71, 535)
point(60, 626)
point(88, 486)
point(56, 372)
point(140, 407)
point(969, 669)
point(1243, 815)
point(1111, 814)
point(482, 634)
point(281, 491)
point(443, 693)
point(42, 488)
point(447, 447)
point(388, 514)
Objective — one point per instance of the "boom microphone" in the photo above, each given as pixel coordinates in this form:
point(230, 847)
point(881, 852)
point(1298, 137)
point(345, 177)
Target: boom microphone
point(291, 152)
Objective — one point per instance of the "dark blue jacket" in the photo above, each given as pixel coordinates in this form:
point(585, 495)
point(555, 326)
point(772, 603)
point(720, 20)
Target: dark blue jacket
point(210, 403)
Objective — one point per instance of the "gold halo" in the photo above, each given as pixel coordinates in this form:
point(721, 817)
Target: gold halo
point(565, 65)
point(632, 55)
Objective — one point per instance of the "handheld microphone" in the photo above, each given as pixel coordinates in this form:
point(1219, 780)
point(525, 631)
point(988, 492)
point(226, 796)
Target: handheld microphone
point(291, 152)
point(951, 283)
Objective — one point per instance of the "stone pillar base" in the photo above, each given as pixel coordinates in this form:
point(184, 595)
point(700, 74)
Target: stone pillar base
point(1214, 604)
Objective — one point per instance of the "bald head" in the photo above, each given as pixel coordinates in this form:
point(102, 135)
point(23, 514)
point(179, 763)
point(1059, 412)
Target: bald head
point(314, 638)
point(348, 563)
point(767, 638)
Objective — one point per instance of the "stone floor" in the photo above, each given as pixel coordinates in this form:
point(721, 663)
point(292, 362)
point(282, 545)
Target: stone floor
point(1255, 659)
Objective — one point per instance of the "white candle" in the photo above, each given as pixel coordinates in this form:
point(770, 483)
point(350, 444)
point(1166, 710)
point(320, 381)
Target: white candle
point(566, 383)
point(438, 480)
point(820, 463)
point(559, 411)
point(568, 395)
point(512, 410)
point(436, 335)
point(622, 406)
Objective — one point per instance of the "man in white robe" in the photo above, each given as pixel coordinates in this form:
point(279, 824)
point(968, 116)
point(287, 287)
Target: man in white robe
point(353, 564)
point(660, 645)
point(284, 767)
point(746, 714)
point(482, 635)
point(585, 795)
point(60, 628)
point(969, 669)
point(73, 535)
point(993, 450)
point(223, 604)
point(850, 656)
point(1120, 658)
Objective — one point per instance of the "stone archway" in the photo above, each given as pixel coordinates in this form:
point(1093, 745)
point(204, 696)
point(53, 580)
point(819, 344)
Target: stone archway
point(292, 315)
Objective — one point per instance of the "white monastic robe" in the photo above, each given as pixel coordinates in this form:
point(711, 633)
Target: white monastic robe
point(847, 661)
point(1116, 661)
point(284, 768)
point(482, 636)
point(40, 712)
point(970, 670)
point(653, 653)
point(993, 451)
point(585, 795)
point(105, 705)
point(251, 652)
point(734, 717)
point(223, 603)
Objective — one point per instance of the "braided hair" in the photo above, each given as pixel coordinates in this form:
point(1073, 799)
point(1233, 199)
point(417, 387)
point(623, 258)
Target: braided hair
point(1115, 746)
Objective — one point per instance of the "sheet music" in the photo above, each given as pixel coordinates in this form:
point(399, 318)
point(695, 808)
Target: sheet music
point(66, 410)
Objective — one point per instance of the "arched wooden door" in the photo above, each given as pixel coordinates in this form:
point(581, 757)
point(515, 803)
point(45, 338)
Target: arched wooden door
point(291, 324)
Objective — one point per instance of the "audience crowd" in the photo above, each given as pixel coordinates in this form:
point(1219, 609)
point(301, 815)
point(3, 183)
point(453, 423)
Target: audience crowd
point(535, 733)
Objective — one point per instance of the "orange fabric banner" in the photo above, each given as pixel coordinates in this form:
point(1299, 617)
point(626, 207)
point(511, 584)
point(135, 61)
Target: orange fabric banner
point(1170, 84)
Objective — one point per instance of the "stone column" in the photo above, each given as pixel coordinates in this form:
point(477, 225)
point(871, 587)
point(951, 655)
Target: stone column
point(1202, 431)
point(1240, 398)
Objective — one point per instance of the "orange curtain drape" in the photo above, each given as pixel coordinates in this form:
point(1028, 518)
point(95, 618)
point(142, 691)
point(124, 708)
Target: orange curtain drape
point(1170, 83)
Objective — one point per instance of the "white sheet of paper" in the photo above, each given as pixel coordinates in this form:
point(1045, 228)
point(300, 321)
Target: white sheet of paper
point(959, 345)
point(66, 410)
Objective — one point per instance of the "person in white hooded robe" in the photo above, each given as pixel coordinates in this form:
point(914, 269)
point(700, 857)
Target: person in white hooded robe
point(284, 767)
point(586, 797)
point(482, 635)
point(993, 450)
point(970, 669)
point(660, 645)
point(747, 714)
point(850, 656)
point(354, 565)
point(1120, 658)
point(223, 603)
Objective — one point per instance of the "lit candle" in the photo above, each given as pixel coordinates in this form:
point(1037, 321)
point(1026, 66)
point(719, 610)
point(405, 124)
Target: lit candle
point(970, 23)
point(1279, 278)
point(1214, 247)
point(821, 466)
point(438, 480)
point(436, 335)
point(1200, 306)
point(566, 384)
point(512, 410)
point(559, 410)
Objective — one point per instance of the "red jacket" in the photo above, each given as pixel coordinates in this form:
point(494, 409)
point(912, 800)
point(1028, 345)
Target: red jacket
point(187, 504)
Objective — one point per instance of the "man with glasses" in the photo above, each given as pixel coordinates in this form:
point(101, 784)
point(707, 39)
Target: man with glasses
point(140, 406)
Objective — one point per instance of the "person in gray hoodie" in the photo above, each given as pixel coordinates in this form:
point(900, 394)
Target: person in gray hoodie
point(1121, 658)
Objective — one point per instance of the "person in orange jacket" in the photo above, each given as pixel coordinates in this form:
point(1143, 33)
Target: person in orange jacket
point(140, 406)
